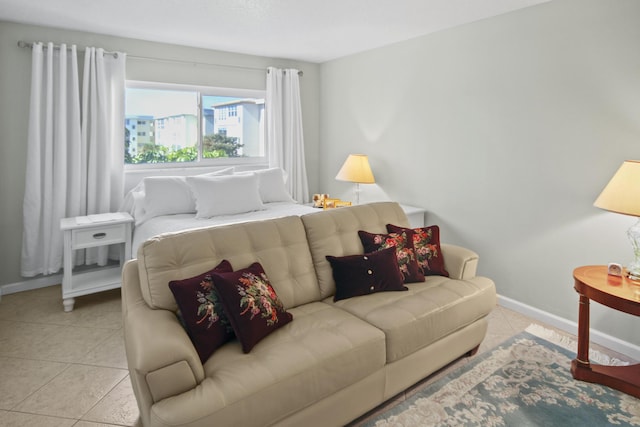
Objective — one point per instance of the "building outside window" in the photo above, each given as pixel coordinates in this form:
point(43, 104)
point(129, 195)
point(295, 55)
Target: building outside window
point(167, 124)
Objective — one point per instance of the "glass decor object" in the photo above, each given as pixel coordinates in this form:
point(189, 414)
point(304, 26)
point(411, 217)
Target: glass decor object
point(622, 195)
point(356, 169)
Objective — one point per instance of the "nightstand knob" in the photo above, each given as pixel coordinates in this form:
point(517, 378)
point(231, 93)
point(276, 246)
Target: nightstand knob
point(99, 235)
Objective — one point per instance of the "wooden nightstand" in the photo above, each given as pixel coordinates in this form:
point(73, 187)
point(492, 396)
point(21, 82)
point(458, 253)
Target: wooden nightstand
point(93, 231)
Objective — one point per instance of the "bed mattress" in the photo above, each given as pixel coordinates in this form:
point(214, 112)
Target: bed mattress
point(172, 223)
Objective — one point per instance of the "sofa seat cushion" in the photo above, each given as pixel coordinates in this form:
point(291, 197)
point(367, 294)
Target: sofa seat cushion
point(426, 313)
point(323, 350)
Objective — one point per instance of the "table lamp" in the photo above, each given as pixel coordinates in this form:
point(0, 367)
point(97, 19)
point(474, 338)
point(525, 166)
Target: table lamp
point(356, 169)
point(622, 195)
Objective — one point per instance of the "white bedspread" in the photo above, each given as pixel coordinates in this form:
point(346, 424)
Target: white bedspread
point(171, 223)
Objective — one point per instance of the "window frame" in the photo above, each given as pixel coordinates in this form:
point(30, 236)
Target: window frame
point(202, 91)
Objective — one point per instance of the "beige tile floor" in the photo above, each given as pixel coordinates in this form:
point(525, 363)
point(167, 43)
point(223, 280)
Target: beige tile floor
point(63, 369)
point(70, 369)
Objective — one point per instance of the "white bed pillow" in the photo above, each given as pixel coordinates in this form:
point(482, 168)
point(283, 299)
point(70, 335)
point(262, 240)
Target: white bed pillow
point(225, 195)
point(138, 213)
point(271, 184)
point(131, 199)
point(133, 202)
point(167, 195)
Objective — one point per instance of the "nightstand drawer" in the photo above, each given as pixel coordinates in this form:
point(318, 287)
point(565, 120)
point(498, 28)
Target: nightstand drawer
point(98, 236)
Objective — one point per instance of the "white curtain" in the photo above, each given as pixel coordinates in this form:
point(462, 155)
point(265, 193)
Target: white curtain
point(52, 176)
point(61, 136)
point(285, 138)
point(103, 89)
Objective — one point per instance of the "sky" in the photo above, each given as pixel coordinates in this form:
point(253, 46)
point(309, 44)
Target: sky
point(164, 103)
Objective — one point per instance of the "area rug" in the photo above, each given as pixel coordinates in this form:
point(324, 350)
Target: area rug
point(526, 381)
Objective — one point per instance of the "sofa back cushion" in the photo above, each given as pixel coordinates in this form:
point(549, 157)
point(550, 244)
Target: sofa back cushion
point(334, 232)
point(279, 245)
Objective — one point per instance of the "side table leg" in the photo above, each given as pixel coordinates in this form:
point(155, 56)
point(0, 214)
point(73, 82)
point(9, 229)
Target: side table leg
point(583, 332)
point(67, 280)
point(580, 366)
point(68, 304)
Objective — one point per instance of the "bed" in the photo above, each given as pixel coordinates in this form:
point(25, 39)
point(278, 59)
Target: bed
point(164, 204)
point(170, 223)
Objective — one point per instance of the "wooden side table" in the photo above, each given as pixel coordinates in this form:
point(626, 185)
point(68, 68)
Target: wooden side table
point(93, 231)
point(593, 283)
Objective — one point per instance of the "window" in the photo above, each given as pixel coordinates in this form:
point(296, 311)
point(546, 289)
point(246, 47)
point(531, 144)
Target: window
point(167, 124)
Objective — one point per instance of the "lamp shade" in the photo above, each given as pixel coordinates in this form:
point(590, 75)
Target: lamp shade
point(356, 169)
point(622, 193)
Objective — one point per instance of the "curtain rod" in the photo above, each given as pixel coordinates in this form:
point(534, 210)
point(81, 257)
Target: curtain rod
point(29, 45)
point(209, 64)
point(24, 44)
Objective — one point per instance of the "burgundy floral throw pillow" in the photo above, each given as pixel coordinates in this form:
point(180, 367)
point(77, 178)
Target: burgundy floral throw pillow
point(201, 311)
point(426, 242)
point(405, 254)
point(373, 272)
point(251, 304)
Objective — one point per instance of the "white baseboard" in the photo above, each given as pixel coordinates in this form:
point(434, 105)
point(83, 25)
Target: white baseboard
point(615, 344)
point(31, 284)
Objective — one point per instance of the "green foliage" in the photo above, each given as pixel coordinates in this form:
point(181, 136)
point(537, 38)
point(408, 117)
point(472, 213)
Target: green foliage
point(151, 153)
point(187, 154)
point(214, 146)
point(127, 144)
point(219, 145)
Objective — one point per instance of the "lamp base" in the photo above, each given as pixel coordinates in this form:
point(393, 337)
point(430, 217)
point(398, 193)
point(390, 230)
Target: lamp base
point(633, 234)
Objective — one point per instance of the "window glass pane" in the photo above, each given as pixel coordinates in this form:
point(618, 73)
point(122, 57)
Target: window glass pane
point(161, 126)
point(232, 127)
point(165, 124)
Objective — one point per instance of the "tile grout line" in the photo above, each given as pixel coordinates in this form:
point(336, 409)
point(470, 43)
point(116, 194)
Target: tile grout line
point(40, 388)
point(40, 415)
point(126, 378)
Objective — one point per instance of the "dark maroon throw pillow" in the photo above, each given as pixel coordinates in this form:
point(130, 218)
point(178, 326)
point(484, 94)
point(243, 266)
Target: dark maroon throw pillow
point(426, 243)
point(201, 311)
point(405, 254)
point(357, 275)
point(251, 304)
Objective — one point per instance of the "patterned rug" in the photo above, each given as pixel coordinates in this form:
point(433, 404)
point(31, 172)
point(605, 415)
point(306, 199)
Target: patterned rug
point(526, 381)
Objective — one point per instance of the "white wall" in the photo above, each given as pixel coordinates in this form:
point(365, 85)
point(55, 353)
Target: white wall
point(505, 130)
point(15, 69)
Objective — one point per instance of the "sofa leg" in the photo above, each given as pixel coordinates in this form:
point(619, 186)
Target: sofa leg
point(473, 351)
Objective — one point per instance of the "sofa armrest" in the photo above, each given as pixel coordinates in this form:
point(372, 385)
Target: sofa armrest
point(461, 263)
point(161, 358)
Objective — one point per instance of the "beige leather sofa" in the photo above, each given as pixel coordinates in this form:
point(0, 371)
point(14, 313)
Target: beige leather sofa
point(332, 363)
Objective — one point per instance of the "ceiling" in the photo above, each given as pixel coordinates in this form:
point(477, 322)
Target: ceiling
point(306, 30)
